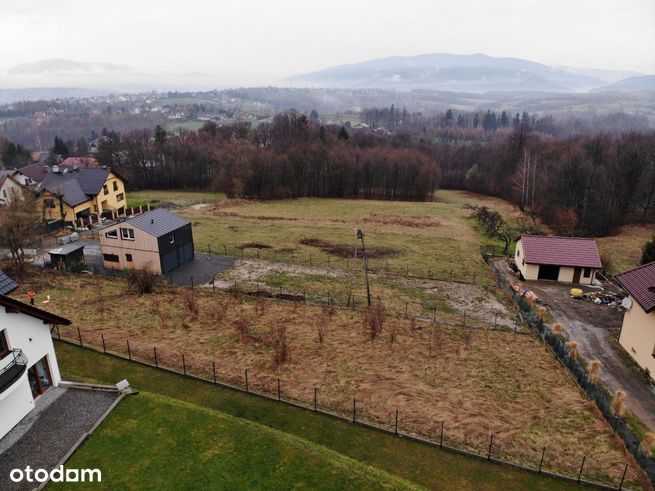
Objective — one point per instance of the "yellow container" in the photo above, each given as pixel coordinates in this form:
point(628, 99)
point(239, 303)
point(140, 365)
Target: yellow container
point(576, 292)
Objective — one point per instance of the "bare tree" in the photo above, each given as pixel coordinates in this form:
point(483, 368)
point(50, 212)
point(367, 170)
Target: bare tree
point(18, 224)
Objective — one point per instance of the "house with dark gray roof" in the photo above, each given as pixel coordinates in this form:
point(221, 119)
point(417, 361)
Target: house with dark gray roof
point(158, 241)
point(637, 334)
point(72, 193)
point(7, 285)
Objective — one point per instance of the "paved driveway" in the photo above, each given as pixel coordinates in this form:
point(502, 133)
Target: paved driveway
point(592, 327)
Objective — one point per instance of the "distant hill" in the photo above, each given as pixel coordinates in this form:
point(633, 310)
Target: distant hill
point(477, 73)
point(60, 65)
point(630, 84)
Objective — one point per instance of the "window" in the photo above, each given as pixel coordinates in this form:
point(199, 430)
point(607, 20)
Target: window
point(171, 238)
point(112, 234)
point(110, 258)
point(127, 233)
point(518, 252)
point(120, 197)
point(4, 345)
point(128, 258)
point(49, 203)
point(587, 272)
point(115, 186)
point(39, 377)
point(105, 189)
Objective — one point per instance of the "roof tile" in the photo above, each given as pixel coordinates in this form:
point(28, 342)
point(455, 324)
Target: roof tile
point(561, 251)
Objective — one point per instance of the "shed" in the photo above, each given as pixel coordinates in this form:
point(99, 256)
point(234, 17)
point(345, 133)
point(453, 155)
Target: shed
point(7, 285)
point(564, 259)
point(67, 256)
point(158, 241)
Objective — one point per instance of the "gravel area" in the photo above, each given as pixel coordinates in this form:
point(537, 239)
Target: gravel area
point(54, 432)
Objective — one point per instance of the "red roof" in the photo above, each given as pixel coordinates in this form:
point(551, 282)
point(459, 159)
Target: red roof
point(560, 251)
point(638, 282)
point(84, 162)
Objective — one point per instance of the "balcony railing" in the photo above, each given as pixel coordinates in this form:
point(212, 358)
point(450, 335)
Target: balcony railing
point(13, 370)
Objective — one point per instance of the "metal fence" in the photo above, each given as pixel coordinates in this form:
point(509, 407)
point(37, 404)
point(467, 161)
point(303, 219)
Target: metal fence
point(538, 460)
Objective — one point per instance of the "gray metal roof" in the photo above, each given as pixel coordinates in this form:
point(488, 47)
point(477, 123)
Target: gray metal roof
point(7, 285)
point(65, 249)
point(158, 222)
point(70, 191)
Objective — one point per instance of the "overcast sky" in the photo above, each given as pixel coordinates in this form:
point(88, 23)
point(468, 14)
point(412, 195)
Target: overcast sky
point(254, 42)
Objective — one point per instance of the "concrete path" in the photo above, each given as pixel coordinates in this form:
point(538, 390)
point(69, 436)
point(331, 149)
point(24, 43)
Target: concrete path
point(54, 432)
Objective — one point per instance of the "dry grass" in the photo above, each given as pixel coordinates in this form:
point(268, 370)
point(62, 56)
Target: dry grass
point(624, 246)
point(478, 382)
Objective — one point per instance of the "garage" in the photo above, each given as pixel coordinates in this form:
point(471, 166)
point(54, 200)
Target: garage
point(548, 272)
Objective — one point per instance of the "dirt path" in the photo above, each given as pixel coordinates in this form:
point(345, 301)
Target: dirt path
point(591, 326)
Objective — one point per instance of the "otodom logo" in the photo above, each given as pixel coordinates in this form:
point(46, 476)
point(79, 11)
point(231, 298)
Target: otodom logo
point(58, 474)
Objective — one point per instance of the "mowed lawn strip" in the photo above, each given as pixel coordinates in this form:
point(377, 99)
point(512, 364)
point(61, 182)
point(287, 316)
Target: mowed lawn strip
point(427, 466)
point(154, 442)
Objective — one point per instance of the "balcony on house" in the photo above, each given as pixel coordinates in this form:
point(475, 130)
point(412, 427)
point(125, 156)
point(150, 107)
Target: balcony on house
point(12, 367)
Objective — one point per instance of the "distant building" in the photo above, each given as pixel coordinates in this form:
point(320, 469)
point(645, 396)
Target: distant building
point(564, 259)
point(81, 192)
point(10, 187)
point(79, 163)
point(158, 241)
point(637, 334)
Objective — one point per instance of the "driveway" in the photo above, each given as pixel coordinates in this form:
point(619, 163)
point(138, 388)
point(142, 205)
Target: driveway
point(592, 327)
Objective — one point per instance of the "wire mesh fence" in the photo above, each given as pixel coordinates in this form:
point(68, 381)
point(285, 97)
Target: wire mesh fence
point(549, 461)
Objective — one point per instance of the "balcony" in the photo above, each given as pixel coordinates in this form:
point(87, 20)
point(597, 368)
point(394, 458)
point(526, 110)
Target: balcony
point(13, 368)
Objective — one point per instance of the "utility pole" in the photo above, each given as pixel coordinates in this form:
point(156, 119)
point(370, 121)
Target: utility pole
point(360, 236)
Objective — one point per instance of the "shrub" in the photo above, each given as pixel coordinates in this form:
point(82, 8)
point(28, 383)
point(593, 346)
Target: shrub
point(573, 349)
point(594, 370)
point(617, 402)
point(142, 281)
point(374, 320)
point(280, 345)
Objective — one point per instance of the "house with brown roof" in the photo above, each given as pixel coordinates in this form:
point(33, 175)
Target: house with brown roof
point(637, 334)
point(564, 259)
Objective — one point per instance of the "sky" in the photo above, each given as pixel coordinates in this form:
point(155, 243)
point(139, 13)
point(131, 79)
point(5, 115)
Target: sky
point(257, 42)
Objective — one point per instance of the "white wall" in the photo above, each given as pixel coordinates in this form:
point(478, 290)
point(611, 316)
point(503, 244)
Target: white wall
point(638, 336)
point(529, 271)
point(15, 403)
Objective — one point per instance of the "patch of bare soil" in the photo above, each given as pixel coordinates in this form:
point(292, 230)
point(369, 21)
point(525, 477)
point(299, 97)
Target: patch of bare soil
point(402, 220)
point(251, 270)
point(346, 250)
point(253, 245)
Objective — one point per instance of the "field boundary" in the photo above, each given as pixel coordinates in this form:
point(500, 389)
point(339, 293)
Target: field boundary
point(315, 407)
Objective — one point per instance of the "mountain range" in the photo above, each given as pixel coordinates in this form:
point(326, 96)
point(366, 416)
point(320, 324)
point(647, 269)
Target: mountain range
point(476, 73)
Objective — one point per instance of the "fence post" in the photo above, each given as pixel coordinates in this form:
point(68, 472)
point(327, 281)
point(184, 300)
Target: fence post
point(209, 248)
point(184, 364)
point(396, 430)
point(406, 306)
point(214, 370)
point(192, 282)
point(541, 464)
point(581, 468)
point(625, 470)
point(464, 319)
point(154, 350)
point(354, 410)
point(246, 376)
point(58, 333)
point(278, 389)
point(491, 442)
point(474, 274)
point(315, 403)
point(441, 436)
point(104, 348)
point(495, 320)
point(79, 335)
point(170, 278)
point(129, 351)
point(224, 250)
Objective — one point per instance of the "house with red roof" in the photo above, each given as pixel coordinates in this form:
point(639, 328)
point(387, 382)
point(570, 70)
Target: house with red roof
point(637, 334)
point(565, 259)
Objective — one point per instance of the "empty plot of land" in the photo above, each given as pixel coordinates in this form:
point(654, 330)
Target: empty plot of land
point(478, 381)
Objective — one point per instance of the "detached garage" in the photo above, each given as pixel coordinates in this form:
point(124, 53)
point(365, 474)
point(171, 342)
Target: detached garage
point(564, 259)
point(157, 240)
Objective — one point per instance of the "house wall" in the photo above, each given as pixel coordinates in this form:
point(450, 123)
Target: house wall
point(15, 403)
point(10, 188)
point(110, 201)
point(529, 271)
point(144, 249)
point(70, 213)
point(638, 336)
point(32, 337)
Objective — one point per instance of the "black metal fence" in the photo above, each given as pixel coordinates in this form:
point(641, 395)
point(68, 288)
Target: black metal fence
point(538, 460)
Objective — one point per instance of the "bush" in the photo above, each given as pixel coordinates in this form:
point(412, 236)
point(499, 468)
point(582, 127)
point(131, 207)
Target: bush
point(142, 281)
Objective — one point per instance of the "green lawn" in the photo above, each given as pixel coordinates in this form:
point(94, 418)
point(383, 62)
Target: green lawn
point(408, 460)
point(182, 198)
point(155, 442)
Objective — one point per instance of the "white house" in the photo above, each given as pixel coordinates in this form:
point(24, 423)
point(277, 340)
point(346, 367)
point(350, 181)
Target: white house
point(28, 364)
point(564, 259)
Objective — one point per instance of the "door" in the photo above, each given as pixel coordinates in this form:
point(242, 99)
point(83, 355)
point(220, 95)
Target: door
point(39, 377)
point(548, 272)
point(576, 275)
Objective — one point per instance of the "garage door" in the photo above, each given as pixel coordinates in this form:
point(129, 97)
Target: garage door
point(548, 272)
point(172, 259)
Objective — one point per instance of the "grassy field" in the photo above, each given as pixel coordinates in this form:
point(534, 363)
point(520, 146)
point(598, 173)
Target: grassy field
point(155, 442)
point(478, 381)
point(624, 246)
point(188, 125)
point(179, 198)
point(425, 466)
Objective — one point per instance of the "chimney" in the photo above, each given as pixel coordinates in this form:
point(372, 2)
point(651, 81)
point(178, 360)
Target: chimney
point(55, 168)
